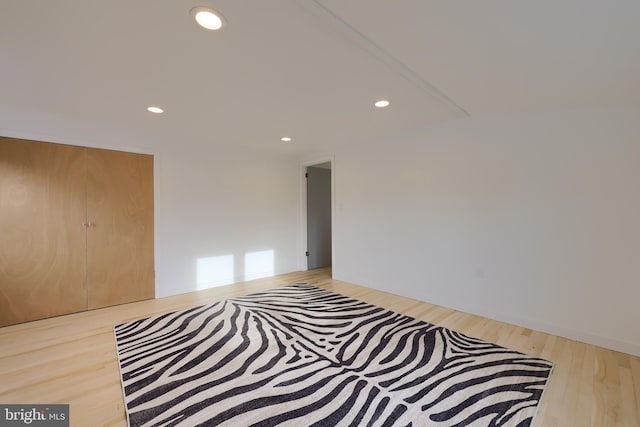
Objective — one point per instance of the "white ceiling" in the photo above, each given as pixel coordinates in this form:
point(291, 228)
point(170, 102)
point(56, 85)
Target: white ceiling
point(506, 55)
point(85, 71)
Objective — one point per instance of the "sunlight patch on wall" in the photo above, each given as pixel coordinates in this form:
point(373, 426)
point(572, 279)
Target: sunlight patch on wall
point(215, 271)
point(258, 264)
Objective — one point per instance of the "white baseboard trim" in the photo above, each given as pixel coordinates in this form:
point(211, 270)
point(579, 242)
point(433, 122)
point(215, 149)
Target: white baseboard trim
point(572, 334)
point(540, 326)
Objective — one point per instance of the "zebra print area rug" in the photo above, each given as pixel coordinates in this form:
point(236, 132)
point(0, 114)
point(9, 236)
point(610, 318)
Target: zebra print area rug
point(303, 356)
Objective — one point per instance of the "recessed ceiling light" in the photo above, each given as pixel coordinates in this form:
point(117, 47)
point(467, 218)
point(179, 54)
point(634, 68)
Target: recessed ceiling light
point(207, 18)
point(156, 110)
point(382, 103)
point(286, 139)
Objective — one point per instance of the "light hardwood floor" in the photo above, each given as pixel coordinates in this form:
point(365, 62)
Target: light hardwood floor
point(72, 359)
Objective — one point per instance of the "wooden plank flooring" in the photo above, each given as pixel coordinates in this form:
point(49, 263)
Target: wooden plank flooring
point(72, 359)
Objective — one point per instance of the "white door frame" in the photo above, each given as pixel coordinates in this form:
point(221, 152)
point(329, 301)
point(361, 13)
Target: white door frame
point(302, 222)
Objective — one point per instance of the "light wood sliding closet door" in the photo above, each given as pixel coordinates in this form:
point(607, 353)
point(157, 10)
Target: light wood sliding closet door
point(120, 266)
point(42, 237)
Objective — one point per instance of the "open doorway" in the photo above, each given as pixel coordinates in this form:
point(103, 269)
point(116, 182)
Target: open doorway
point(318, 217)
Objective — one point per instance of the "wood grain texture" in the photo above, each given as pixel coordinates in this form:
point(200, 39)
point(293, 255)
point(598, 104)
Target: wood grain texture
point(42, 240)
point(120, 260)
point(72, 359)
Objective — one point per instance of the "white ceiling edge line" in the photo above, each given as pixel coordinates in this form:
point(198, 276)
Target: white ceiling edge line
point(386, 57)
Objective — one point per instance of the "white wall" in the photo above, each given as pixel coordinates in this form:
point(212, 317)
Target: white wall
point(529, 218)
point(222, 217)
point(211, 204)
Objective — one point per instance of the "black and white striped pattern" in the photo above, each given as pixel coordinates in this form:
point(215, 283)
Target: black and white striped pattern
point(304, 356)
